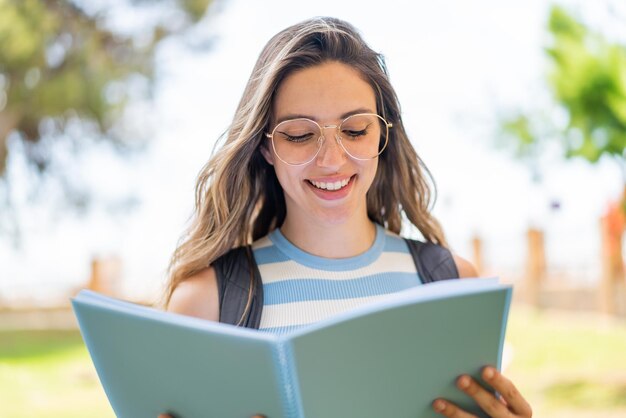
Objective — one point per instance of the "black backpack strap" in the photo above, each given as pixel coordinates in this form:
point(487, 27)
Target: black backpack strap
point(433, 262)
point(240, 288)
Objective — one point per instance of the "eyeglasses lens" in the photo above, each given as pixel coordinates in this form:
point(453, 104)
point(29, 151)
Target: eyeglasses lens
point(362, 136)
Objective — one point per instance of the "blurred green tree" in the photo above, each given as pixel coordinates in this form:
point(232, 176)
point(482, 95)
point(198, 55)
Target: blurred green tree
point(60, 63)
point(72, 72)
point(588, 81)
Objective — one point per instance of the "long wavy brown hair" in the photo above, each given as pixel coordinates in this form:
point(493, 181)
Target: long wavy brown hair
point(238, 197)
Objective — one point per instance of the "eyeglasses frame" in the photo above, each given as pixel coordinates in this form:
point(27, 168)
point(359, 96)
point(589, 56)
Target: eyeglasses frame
point(388, 125)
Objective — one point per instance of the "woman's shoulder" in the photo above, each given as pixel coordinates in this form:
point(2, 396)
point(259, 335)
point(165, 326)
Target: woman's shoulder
point(466, 269)
point(197, 296)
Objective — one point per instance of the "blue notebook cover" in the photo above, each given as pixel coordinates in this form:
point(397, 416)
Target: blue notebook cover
point(390, 358)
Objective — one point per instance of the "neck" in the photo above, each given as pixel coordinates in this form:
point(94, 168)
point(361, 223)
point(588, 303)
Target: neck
point(348, 239)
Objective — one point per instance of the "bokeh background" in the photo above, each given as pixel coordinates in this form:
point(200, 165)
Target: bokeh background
point(108, 110)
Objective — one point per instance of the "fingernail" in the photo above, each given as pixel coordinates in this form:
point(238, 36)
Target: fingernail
point(489, 373)
point(439, 405)
point(463, 382)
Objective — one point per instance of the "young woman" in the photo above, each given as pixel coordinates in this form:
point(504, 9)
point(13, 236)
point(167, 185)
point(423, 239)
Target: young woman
point(317, 172)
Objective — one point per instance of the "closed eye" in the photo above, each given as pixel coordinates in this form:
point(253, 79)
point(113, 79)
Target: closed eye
point(355, 134)
point(296, 138)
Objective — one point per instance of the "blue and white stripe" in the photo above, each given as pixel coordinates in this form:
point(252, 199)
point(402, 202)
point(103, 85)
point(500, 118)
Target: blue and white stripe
point(300, 288)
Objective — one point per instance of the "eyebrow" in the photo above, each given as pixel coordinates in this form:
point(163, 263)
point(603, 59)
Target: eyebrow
point(290, 116)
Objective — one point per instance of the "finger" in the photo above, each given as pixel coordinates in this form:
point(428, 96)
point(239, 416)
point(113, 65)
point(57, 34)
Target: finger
point(485, 399)
point(508, 391)
point(450, 410)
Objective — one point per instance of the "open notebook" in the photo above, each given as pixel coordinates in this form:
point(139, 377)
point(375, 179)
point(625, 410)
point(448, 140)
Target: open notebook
point(391, 358)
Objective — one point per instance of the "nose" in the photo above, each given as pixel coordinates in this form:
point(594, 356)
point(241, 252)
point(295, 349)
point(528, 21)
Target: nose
point(331, 153)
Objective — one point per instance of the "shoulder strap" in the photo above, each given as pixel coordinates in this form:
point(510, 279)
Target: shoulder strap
point(433, 262)
point(240, 289)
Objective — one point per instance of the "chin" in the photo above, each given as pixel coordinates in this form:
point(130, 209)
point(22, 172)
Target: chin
point(335, 216)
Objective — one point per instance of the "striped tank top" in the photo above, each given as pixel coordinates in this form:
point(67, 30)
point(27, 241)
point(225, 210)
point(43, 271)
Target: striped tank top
point(300, 288)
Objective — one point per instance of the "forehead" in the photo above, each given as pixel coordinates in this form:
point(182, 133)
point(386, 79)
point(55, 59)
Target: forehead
point(323, 92)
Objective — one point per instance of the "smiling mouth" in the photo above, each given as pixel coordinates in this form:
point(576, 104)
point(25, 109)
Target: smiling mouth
point(330, 186)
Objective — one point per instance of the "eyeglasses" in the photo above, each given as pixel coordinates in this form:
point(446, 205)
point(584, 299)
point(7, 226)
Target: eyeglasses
point(362, 136)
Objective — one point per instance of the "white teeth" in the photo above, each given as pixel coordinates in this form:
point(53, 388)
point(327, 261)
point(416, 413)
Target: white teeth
point(331, 186)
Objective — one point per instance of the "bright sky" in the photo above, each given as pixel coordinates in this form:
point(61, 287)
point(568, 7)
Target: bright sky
point(454, 64)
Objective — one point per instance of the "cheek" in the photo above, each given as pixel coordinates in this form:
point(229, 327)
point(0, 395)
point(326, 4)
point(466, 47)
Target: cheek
point(287, 176)
point(369, 171)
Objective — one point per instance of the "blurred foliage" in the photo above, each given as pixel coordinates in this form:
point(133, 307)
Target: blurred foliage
point(76, 78)
point(528, 137)
point(581, 393)
point(588, 82)
point(589, 79)
point(61, 64)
